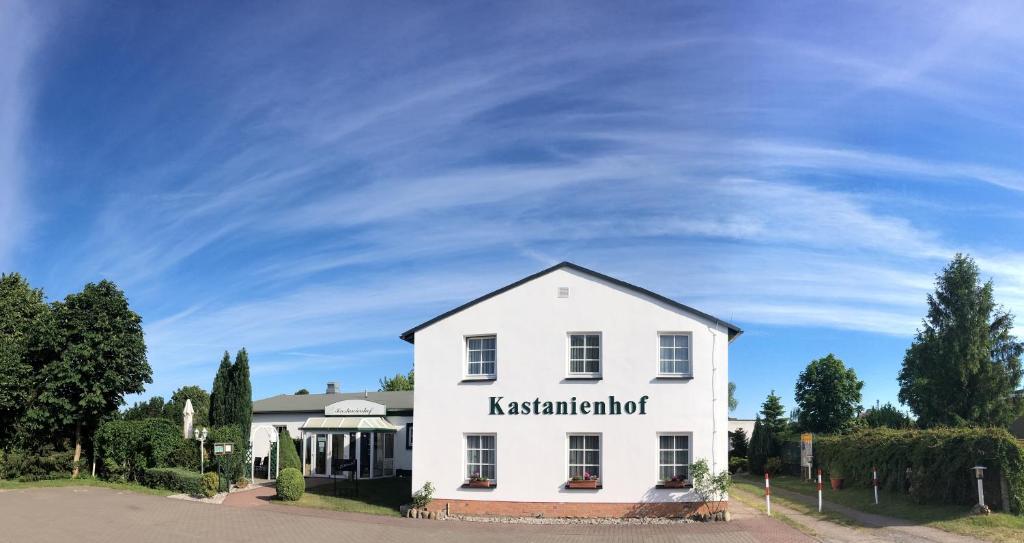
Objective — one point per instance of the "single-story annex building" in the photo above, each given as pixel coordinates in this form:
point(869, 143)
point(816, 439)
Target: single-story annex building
point(566, 393)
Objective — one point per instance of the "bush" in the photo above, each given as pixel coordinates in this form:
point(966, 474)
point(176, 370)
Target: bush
point(773, 466)
point(423, 496)
point(709, 487)
point(234, 465)
point(129, 447)
point(737, 464)
point(211, 484)
point(27, 466)
point(290, 485)
point(177, 479)
point(940, 460)
point(242, 482)
point(289, 454)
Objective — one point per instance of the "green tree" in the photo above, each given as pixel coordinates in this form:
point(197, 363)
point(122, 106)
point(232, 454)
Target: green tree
point(964, 364)
point(289, 455)
point(149, 409)
point(738, 443)
point(301, 392)
point(23, 317)
point(219, 393)
point(200, 404)
point(828, 394)
point(398, 382)
point(239, 405)
point(760, 447)
point(773, 415)
point(733, 404)
point(98, 356)
point(887, 416)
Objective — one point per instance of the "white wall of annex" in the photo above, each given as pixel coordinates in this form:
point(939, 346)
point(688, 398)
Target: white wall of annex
point(531, 324)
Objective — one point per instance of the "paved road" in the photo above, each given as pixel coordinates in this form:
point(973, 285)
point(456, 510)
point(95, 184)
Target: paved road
point(99, 515)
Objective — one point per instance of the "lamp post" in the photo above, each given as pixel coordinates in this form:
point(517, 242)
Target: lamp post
point(979, 474)
point(200, 434)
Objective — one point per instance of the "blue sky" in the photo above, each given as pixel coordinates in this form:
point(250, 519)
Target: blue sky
point(309, 180)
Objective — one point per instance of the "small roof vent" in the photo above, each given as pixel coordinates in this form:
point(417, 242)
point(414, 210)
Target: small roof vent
point(563, 292)
point(332, 388)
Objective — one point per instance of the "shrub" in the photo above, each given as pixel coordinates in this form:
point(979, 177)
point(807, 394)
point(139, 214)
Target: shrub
point(423, 496)
point(773, 465)
point(27, 466)
point(232, 465)
point(709, 487)
point(242, 482)
point(177, 479)
point(737, 464)
point(211, 484)
point(290, 485)
point(128, 447)
point(289, 455)
point(940, 460)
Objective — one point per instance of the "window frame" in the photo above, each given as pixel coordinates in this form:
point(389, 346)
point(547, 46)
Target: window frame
point(689, 455)
point(689, 352)
point(568, 356)
point(466, 375)
point(408, 436)
point(600, 454)
point(465, 455)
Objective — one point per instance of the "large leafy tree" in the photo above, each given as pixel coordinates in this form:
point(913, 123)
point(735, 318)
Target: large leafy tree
point(964, 364)
point(24, 315)
point(239, 405)
point(887, 416)
point(828, 394)
point(219, 394)
point(733, 403)
point(98, 356)
point(149, 409)
point(398, 382)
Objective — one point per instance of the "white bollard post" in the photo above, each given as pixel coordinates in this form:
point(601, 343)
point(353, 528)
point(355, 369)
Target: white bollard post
point(981, 493)
point(874, 481)
point(819, 490)
point(767, 494)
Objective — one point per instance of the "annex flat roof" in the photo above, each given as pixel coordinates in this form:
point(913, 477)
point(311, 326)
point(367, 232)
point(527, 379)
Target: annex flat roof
point(396, 401)
point(410, 335)
point(349, 424)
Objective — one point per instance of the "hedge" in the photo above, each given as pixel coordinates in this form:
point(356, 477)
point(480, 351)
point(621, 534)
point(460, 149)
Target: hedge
point(290, 485)
point(234, 465)
point(940, 459)
point(27, 466)
point(128, 447)
point(177, 479)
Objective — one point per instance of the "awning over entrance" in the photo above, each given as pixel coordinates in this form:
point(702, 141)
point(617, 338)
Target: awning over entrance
point(350, 424)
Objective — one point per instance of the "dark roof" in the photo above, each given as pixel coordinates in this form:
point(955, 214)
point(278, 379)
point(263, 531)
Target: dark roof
point(303, 403)
point(410, 335)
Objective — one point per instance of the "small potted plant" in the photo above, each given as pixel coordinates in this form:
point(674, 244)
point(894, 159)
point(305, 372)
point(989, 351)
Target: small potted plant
point(677, 481)
point(835, 478)
point(585, 481)
point(479, 481)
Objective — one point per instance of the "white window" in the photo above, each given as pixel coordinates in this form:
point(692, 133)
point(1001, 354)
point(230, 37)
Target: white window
point(673, 456)
point(585, 456)
point(674, 358)
point(481, 354)
point(585, 355)
point(480, 456)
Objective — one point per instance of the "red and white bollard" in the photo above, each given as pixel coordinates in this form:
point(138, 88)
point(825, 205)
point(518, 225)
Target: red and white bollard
point(874, 481)
point(767, 494)
point(819, 490)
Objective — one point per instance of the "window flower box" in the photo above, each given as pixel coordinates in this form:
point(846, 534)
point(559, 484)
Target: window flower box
point(675, 483)
point(582, 483)
point(479, 483)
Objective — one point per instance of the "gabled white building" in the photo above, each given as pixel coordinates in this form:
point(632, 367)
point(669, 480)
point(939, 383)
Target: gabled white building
point(569, 374)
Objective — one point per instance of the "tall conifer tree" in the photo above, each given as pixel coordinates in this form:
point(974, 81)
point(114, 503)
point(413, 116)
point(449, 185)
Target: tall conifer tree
point(219, 393)
point(240, 405)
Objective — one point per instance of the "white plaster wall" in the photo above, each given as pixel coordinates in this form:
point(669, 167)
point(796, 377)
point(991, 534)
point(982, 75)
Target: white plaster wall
point(531, 324)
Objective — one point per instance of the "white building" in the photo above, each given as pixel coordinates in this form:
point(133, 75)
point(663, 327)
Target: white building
point(563, 374)
point(367, 433)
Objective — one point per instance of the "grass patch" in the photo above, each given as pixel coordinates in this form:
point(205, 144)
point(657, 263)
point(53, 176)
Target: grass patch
point(376, 497)
point(998, 527)
point(85, 481)
point(756, 488)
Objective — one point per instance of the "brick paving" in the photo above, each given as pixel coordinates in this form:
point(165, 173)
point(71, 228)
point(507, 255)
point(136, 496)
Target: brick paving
point(99, 515)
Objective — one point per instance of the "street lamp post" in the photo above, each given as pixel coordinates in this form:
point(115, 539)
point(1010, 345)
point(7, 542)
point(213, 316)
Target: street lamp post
point(979, 474)
point(201, 434)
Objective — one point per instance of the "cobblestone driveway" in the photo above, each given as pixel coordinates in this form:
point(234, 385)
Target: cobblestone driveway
point(97, 515)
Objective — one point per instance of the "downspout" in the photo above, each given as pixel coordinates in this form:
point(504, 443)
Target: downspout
point(714, 400)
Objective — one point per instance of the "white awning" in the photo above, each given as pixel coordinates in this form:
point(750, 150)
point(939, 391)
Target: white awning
point(350, 424)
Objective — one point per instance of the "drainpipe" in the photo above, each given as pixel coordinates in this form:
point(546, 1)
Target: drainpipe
point(714, 399)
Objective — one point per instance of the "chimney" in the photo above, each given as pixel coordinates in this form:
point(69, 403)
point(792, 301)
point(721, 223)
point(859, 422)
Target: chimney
point(332, 387)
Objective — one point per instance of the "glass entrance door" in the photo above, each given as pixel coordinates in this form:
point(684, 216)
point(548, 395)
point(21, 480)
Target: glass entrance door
point(321, 454)
point(364, 455)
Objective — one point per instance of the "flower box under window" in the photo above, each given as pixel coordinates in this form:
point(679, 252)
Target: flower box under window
point(675, 483)
point(479, 483)
point(583, 483)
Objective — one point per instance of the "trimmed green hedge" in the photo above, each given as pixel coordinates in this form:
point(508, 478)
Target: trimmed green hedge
point(176, 479)
point(940, 459)
point(128, 447)
point(210, 484)
point(291, 485)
